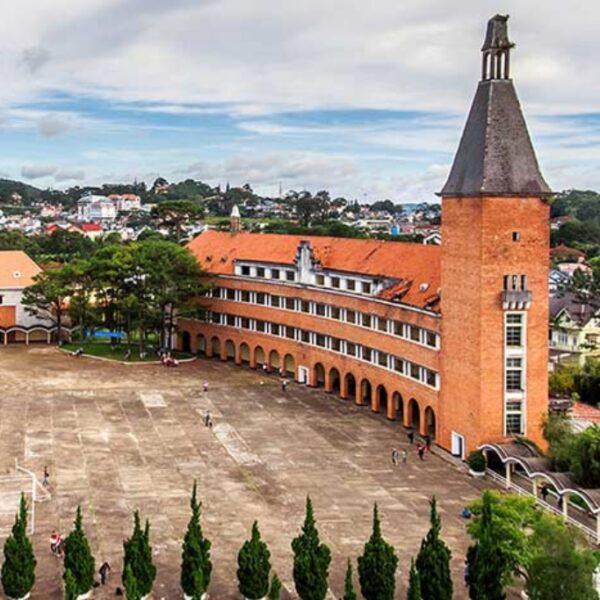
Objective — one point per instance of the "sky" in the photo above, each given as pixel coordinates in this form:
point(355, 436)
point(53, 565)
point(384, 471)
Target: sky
point(365, 99)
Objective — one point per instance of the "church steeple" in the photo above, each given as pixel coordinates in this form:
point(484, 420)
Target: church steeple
point(496, 49)
point(495, 156)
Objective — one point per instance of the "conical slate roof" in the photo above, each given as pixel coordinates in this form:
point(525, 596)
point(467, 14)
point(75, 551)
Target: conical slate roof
point(495, 156)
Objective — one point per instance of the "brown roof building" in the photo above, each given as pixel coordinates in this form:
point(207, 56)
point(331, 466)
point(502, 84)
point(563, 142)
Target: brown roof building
point(450, 341)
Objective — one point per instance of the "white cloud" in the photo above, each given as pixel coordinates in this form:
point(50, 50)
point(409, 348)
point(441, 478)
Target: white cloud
point(37, 171)
point(34, 58)
point(70, 175)
point(53, 124)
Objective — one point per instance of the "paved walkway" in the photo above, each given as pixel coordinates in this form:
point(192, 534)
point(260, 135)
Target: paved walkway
point(120, 437)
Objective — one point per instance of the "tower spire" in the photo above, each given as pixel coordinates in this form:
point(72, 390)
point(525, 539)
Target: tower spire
point(495, 156)
point(496, 49)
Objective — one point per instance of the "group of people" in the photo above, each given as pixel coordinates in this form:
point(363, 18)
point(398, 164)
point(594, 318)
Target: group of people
point(57, 547)
point(167, 360)
point(420, 449)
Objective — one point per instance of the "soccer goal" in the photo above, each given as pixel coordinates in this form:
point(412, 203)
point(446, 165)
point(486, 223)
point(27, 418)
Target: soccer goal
point(12, 485)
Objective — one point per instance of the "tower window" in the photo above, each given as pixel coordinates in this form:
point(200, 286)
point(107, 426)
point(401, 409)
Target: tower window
point(516, 236)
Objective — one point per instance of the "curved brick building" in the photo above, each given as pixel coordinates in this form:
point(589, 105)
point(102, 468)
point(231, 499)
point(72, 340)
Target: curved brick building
point(449, 340)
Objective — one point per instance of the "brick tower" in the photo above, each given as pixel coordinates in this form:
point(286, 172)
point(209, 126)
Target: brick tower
point(495, 238)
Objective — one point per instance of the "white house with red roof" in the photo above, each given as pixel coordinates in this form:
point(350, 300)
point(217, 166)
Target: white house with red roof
point(17, 271)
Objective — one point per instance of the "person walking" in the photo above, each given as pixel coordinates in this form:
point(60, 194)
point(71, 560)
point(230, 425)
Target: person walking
point(411, 437)
point(395, 457)
point(207, 419)
point(428, 443)
point(46, 480)
point(284, 384)
point(421, 451)
point(404, 456)
point(544, 493)
point(205, 386)
point(104, 570)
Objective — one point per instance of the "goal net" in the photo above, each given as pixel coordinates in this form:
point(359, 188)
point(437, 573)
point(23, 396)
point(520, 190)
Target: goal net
point(12, 486)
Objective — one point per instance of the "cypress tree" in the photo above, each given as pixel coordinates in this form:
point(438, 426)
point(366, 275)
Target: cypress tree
point(254, 567)
point(311, 560)
point(377, 566)
point(18, 569)
point(70, 586)
point(414, 583)
point(138, 561)
point(349, 593)
point(433, 562)
point(196, 566)
point(130, 584)
point(79, 561)
point(486, 563)
point(275, 589)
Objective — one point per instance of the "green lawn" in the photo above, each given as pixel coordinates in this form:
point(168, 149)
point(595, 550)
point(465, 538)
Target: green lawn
point(104, 350)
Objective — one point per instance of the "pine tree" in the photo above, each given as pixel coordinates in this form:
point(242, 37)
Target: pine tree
point(196, 566)
point(138, 561)
point(377, 566)
point(18, 569)
point(433, 562)
point(254, 567)
point(275, 589)
point(311, 560)
point(79, 561)
point(349, 593)
point(486, 563)
point(70, 586)
point(130, 584)
point(414, 583)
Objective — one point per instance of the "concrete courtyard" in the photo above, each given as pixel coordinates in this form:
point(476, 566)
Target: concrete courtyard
point(123, 437)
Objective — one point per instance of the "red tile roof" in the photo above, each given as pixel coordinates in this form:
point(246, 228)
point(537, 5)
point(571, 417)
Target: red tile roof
point(17, 270)
point(585, 412)
point(416, 267)
point(90, 227)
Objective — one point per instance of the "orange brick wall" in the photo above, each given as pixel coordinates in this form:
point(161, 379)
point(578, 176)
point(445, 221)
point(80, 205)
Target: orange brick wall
point(477, 252)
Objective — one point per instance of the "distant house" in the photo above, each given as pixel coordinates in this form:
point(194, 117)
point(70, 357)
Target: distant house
point(558, 222)
point(90, 230)
point(126, 202)
point(17, 271)
point(574, 328)
point(568, 260)
point(95, 209)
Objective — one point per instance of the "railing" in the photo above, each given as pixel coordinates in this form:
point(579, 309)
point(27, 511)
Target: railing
point(591, 533)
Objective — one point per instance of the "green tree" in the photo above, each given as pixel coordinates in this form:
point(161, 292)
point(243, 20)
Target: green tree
point(561, 566)
point(18, 568)
point(47, 297)
point(486, 564)
point(71, 592)
point(559, 434)
point(414, 583)
point(311, 560)
point(512, 519)
point(275, 589)
point(377, 565)
point(79, 562)
point(254, 566)
point(196, 566)
point(349, 593)
point(433, 562)
point(137, 561)
point(585, 458)
point(130, 583)
point(174, 214)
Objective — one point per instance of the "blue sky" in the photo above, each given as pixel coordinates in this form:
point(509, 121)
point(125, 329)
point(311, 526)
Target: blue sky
point(364, 99)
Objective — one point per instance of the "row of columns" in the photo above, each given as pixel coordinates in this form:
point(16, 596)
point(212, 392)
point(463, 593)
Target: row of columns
point(563, 498)
point(6, 336)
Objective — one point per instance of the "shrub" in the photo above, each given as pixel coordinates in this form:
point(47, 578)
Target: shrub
point(79, 562)
point(585, 457)
point(476, 461)
point(196, 566)
point(254, 567)
point(138, 569)
point(18, 569)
